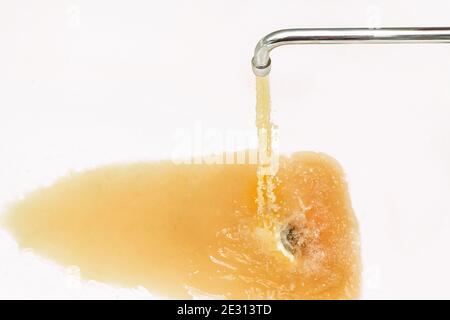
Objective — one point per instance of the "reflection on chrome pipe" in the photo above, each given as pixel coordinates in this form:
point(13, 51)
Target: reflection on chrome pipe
point(261, 60)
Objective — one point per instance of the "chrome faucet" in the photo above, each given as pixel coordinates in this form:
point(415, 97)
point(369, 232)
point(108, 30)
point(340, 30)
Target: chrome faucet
point(261, 62)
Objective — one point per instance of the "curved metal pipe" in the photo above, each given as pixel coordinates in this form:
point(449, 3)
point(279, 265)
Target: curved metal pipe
point(261, 62)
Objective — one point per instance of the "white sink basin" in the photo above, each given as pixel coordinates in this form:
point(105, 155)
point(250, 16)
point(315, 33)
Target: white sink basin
point(91, 84)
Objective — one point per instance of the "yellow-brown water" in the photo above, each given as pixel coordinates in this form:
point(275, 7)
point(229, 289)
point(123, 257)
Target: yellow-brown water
point(184, 229)
point(173, 227)
point(267, 157)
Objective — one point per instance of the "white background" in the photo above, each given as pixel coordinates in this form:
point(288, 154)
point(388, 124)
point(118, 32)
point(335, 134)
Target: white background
point(86, 83)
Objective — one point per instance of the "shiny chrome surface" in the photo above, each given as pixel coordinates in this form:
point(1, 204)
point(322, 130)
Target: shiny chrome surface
point(261, 62)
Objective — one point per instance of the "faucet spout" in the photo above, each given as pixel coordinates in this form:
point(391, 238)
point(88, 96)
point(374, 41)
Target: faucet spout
point(261, 62)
